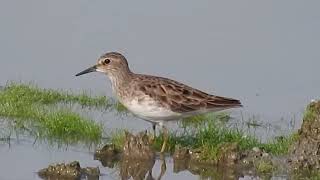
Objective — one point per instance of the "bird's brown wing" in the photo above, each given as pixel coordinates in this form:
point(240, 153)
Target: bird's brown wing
point(182, 98)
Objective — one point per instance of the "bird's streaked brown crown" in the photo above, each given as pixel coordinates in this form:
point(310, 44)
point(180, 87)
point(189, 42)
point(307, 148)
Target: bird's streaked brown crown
point(114, 55)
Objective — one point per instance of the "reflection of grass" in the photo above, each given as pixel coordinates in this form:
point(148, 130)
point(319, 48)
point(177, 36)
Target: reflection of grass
point(33, 109)
point(253, 122)
point(264, 166)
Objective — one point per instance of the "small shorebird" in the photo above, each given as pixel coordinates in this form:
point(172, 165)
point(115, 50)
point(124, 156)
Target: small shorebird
point(156, 99)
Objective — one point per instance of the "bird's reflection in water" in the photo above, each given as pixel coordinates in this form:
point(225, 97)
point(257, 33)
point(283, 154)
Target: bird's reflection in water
point(142, 169)
point(136, 169)
point(139, 170)
point(136, 160)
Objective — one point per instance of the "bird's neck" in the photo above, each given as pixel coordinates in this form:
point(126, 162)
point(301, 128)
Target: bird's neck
point(120, 80)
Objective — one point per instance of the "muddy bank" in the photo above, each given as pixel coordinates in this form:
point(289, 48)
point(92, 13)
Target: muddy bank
point(305, 152)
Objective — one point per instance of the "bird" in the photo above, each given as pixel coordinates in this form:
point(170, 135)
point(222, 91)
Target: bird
point(156, 99)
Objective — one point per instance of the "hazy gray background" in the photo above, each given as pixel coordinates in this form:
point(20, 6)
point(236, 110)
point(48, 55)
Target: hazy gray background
point(264, 53)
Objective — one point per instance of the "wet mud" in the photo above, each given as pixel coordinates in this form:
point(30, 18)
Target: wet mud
point(71, 171)
point(305, 152)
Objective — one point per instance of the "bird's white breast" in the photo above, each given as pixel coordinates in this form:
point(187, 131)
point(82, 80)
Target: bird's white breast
point(148, 109)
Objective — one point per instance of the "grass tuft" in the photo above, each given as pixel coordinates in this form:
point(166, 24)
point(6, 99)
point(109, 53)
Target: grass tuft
point(311, 112)
point(280, 145)
point(118, 138)
point(28, 93)
point(35, 109)
point(210, 135)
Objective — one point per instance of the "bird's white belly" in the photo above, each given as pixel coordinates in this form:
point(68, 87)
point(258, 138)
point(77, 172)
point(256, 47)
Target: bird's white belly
point(149, 110)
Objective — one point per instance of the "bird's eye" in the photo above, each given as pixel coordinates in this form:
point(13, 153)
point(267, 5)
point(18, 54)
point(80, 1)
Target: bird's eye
point(106, 61)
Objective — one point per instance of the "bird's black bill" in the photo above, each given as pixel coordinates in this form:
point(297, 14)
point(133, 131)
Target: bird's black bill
point(89, 70)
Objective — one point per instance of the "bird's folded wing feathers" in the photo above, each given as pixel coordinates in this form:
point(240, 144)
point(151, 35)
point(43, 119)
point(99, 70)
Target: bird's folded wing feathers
point(182, 98)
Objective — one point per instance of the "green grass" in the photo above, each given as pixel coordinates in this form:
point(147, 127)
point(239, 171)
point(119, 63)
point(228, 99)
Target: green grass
point(312, 112)
point(117, 138)
point(209, 139)
point(208, 135)
point(28, 93)
point(280, 145)
point(37, 111)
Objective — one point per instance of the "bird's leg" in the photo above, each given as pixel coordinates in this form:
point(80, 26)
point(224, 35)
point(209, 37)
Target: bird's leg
point(165, 139)
point(154, 134)
point(154, 130)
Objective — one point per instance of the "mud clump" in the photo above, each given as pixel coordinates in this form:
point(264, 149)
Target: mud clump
point(70, 171)
point(138, 147)
point(135, 160)
point(135, 147)
point(305, 152)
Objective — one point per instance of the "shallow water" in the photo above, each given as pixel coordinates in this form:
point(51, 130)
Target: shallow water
point(22, 159)
point(264, 53)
